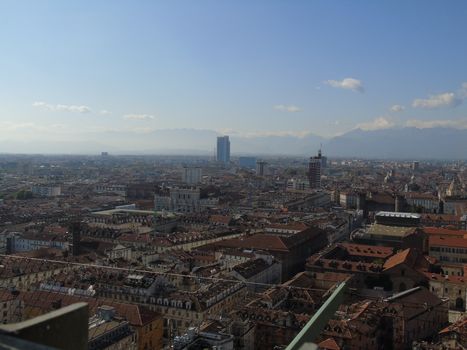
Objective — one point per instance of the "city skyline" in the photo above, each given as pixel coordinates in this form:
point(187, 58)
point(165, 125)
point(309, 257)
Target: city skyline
point(81, 74)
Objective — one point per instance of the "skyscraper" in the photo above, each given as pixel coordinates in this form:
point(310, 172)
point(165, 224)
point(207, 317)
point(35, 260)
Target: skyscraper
point(223, 149)
point(314, 171)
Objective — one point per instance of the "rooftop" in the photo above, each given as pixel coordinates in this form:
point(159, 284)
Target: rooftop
point(395, 231)
point(391, 214)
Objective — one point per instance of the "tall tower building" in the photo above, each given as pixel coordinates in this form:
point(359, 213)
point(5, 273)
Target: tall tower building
point(223, 149)
point(314, 171)
point(261, 168)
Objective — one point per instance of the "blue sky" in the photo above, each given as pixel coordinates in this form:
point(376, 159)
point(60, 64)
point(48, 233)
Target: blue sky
point(74, 68)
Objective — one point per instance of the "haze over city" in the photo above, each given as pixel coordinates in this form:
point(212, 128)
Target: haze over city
point(168, 77)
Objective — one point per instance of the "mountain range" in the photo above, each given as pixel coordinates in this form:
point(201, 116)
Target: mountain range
point(394, 143)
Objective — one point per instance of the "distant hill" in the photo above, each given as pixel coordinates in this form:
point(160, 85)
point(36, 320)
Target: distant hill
point(400, 143)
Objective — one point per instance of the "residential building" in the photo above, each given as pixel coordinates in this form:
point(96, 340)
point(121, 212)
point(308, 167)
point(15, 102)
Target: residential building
point(448, 249)
point(106, 331)
point(191, 175)
point(46, 190)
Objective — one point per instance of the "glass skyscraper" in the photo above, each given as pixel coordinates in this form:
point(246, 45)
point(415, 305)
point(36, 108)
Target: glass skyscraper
point(223, 149)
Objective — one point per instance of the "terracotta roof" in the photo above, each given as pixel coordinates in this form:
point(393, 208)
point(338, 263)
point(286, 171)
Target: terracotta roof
point(271, 242)
point(328, 344)
point(458, 327)
point(367, 250)
point(222, 219)
point(447, 241)
point(297, 226)
point(446, 278)
point(258, 241)
point(444, 231)
point(399, 258)
point(440, 217)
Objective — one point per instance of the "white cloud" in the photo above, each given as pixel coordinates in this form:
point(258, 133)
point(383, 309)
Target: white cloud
point(447, 99)
point(376, 124)
point(62, 108)
point(287, 108)
point(105, 112)
point(138, 117)
point(397, 108)
point(427, 124)
point(9, 126)
point(347, 83)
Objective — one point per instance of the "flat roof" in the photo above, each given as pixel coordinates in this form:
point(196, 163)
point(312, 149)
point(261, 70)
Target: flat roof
point(110, 212)
point(398, 214)
point(396, 231)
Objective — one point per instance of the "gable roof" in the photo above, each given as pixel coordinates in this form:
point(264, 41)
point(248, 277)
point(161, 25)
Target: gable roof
point(328, 344)
point(397, 259)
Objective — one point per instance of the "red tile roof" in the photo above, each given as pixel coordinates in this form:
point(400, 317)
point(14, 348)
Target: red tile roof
point(447, 241)
point(367, 250)
point(329, 344)
point(402, 257)
point(442, 231)
point(446, 278)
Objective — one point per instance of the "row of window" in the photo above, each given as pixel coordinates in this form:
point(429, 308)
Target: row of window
point(449, 250)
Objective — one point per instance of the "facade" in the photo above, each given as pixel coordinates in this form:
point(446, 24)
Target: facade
point(46, 190)
point(191, 175)
point(223, 149)
point(348, 200)
point(452, 287)
point(261, 168)
point(314, 171)
point(27, 242)
point(448, 249)
point(258, 273)
point(110, 333)
point(298, 185)
point(426, 202)
point(111, 188)
point(183, 200)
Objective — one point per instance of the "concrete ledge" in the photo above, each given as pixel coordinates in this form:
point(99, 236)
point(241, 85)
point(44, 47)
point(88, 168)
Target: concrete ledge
point(65, 328)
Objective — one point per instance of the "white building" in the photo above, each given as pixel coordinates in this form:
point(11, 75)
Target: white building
point(27, 242)
point(46, 190)
point(348, 200)
point(298, 185)
point(191, 175)
point(183, 200)
point(111, 188)
point(427, 201)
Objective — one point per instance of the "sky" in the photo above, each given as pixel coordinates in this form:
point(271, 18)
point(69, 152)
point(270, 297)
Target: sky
point(84, 70)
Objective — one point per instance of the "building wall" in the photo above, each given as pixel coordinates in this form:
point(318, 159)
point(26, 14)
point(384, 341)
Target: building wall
point(452, 255)
point(456, 292)
point(150, 336)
